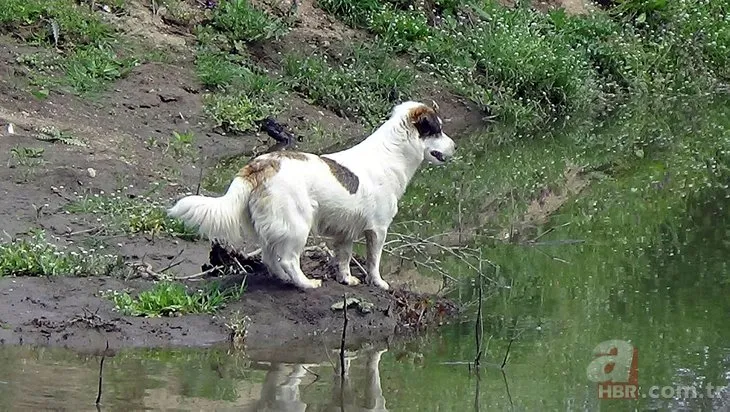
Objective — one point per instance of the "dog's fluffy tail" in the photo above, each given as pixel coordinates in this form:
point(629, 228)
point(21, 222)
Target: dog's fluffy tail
point(220, 218)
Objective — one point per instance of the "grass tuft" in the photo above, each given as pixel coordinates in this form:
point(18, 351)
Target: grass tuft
point(242, 94)
point(119, 213)
point(36, 256)
point(34, 21)
point(240, 21)
point(170, 298)
point(90, 69)
point(89, 59)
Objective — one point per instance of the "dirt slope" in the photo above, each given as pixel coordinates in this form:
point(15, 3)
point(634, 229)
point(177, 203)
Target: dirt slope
point(120, 126)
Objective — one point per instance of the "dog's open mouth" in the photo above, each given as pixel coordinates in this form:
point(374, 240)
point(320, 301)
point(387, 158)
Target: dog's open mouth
point(438, 155)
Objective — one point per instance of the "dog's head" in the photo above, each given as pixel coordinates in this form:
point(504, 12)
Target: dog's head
point(424, 120)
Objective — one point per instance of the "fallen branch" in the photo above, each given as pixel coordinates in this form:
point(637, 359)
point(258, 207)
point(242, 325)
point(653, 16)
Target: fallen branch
point(315, 248)
point(199, 274)
point(144, 269)
point(92, 230)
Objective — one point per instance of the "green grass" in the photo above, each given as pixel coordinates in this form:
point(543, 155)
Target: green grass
point(362, 84)
point(528, 69)
point(92, 68)
point(119, 213)
point(241, 94)
point(36, 256)
point(27, 156)
point(32, 20)
point(170, 298)
point(240, 21)
point(181, 145)
point(91, 58)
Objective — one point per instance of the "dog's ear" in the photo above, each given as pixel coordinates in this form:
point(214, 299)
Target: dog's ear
point(426, 121)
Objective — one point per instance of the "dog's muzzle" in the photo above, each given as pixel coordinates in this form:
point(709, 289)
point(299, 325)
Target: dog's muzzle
point(439, 156)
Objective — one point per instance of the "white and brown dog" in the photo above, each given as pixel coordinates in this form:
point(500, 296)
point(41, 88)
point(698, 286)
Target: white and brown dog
point(279, 198)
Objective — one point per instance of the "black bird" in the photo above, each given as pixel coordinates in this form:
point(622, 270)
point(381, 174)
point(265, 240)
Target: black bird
point(278, 132)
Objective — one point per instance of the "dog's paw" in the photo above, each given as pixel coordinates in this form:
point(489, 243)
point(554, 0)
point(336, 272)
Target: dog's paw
point(315, 283)
point(380, 283)
point(350, 281)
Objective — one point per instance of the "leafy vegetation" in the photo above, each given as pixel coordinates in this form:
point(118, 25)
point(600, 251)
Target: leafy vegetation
point(169, 298)
point(91, 55)
point(242, 93)
point(528, 68)
point(363, 83)
point(122, 213)
point(36, 256)
point(240, 21)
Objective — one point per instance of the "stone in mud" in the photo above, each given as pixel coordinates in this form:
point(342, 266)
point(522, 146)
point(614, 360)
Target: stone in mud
point(341, 305)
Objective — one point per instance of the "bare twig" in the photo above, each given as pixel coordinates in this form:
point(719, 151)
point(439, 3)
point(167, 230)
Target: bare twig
point(552, 257)
point(173, 264)
point(252, 254)
point(548, 231)
point(200, 180)
point(326, 351)
point(558, 242)
point(240, 266)
point(364, 272)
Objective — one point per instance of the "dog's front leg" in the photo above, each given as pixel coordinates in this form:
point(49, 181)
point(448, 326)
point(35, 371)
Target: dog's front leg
point(375, 240)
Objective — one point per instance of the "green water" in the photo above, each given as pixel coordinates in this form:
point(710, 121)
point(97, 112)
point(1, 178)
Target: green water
point(641, 256)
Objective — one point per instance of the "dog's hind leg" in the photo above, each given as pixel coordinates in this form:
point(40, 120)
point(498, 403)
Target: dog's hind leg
point(272, 263)
point(375, 239)
point(292, 268)
point(343, 255)
point(288, 249)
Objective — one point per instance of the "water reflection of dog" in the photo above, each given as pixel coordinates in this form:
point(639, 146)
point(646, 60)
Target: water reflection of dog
point(281, 390)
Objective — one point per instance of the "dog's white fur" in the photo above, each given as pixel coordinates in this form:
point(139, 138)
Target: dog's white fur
point(303, 197)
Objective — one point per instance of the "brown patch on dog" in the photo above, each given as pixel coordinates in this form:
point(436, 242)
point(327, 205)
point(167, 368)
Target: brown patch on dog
point(289, 154)
point(259, 171)
point(425, 120)
point(347, 179)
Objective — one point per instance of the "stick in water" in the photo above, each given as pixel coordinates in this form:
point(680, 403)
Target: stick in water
point(342, 343)
point(101, 371)
point(479, 326)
